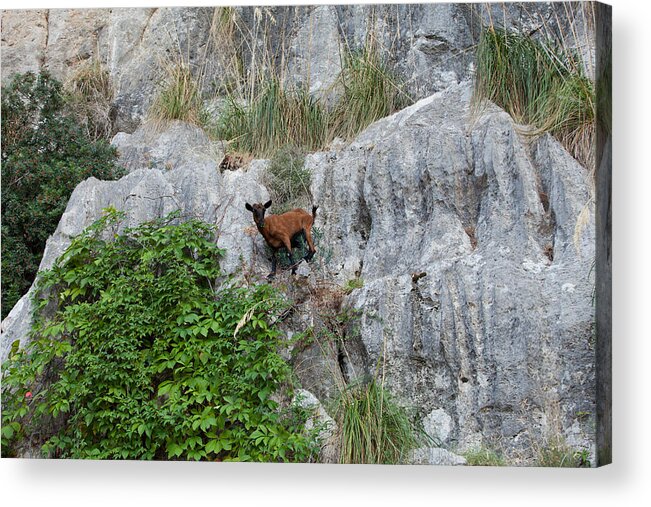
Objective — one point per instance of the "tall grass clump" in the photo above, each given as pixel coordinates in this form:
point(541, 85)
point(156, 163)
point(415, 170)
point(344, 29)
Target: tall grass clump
point(540, 83)
point(274, 117)
point(374, 428)
point(555, 452)
point(370, 92)
point(90, 95)
point(287, 179)
point(484, 456)
point(179, 98)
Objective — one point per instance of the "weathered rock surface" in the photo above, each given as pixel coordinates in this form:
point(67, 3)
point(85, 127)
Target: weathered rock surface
point(136, 46)
point(435, 456)
point(475, 243)
point(476, 268)
point(328, 433)
point(431, 46)
point(24, 41)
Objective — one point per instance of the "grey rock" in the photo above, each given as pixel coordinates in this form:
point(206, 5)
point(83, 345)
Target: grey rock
point(24, 39)
point(435, 456)
point(16, 326)
point(329, 434)
point(176, 145)
point(315, 61)
point(475, 241)
point(438, 425)
point(74, 36)
point(430, 46)
point(476, 246)
point(143, 43)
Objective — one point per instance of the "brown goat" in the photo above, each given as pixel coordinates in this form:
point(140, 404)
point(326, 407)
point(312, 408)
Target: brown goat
point(284, 230)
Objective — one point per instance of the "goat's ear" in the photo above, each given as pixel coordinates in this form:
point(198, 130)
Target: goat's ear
point(267, 204)
point(249, 207)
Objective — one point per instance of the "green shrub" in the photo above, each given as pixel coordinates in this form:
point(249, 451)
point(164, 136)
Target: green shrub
point(374, 428)
point(145, 359)
point(45, 154)
point(538, 83)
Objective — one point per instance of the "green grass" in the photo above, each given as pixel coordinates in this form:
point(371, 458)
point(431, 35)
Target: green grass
point(557, 453)
point(273, 118)
point(484, 456)
point(371, 92)
point(269, 115)
point(374, 428)
point(179, 98)
point(352, 284)
point(538, 83)
point(89, 97)
point(287, 179)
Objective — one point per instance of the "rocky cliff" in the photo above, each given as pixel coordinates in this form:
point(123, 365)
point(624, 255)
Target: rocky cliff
point(430, 45)
point(472, 241)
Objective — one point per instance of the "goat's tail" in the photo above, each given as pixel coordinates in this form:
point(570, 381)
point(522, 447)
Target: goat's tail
point(314, 208)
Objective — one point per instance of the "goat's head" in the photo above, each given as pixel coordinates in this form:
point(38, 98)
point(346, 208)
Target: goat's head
point(258, 211)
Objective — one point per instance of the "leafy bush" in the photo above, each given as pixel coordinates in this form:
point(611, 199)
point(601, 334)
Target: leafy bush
point(539, 83)
point(374, 428)
point(145, 359)
point(45, 154)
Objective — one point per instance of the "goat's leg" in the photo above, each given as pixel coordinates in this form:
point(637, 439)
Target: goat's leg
point(288, 246)
point(308, 236)
point(273, 265)
point(291, 260)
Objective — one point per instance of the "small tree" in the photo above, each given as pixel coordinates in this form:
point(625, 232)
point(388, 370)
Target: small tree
point(45, 154)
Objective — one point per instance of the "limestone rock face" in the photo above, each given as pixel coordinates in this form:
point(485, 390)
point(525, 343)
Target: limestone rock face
point(474, 240)
point(320, 418)
point(24, 40)
point(476, 246)
point(435, 456)
point(136, 45)
point(430, 46)
point(143, 43)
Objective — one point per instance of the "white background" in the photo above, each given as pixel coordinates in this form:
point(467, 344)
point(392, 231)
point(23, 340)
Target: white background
point(626, 482)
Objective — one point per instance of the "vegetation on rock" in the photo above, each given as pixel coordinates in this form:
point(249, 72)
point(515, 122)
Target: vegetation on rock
point(45, 154)
point(539, 83)
point(152, 354)
point(375, 429)
point(271, 116)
